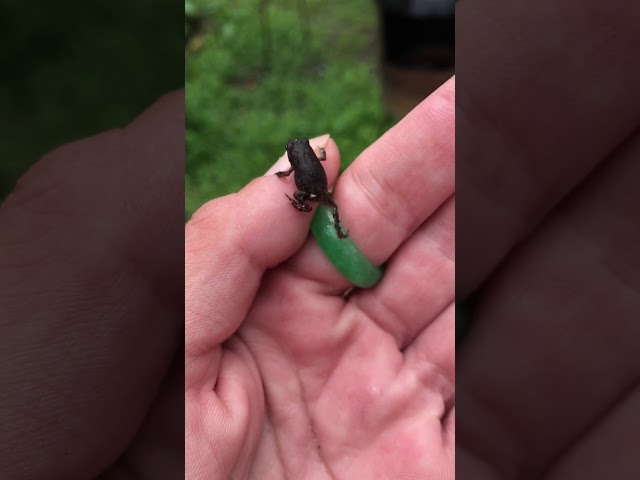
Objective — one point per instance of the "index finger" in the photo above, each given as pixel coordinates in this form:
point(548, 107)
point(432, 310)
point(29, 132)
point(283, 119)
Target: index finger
point(401, 179)
point(392, 187)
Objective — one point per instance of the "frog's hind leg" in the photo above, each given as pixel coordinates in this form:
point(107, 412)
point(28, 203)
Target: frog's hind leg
point(300, 201)
point(336, 217)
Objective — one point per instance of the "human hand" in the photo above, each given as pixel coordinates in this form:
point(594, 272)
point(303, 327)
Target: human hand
point(91, 312)
point(285, 378)
point(548, 238)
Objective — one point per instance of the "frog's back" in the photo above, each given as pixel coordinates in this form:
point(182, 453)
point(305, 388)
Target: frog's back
point(310, 175)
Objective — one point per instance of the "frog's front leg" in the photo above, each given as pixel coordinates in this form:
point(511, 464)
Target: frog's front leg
point(300, 201)
point(285, 173)
point(322, 155)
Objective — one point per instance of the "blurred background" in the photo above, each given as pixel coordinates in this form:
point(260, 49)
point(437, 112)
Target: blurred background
point(257, 73)
point(73, 69)
point(260, 72)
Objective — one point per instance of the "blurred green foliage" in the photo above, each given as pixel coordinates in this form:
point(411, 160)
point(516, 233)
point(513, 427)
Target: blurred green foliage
point(71, 70)
point(247, 92)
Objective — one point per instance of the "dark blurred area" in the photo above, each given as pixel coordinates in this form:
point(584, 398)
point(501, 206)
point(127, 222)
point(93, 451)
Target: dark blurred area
point(418, 50)
point(547, 240)
point(71, 69)
point(90, 359)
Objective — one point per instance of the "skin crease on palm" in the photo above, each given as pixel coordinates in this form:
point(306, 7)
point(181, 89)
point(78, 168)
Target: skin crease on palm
point(285, 378)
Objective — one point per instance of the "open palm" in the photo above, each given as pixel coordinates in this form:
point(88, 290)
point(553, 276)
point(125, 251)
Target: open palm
point(286, 377)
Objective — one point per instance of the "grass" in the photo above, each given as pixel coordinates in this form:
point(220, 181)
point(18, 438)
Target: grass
point(242, 107)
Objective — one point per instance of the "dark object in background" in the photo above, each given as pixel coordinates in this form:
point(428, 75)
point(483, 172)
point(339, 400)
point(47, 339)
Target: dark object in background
point(418, 50)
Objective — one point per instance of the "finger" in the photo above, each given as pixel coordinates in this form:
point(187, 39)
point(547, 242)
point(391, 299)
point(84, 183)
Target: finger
point(229, 243)
point(418, 284)
point(579, 280)
point(81, 277)
point(392, 187)
point(396, 183)
point(530, 136)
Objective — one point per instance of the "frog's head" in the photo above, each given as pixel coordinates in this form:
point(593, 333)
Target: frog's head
point(297, 144)
point(296, 149)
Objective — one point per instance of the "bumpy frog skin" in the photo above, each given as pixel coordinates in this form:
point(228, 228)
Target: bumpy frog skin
point(310, 178)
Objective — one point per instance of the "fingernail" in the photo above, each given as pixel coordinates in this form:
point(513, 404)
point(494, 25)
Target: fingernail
point(320, 141)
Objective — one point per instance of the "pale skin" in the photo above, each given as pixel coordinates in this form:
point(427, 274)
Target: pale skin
point(284, 378)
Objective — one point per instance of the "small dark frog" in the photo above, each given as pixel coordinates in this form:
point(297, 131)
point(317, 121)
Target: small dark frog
point(311, 179)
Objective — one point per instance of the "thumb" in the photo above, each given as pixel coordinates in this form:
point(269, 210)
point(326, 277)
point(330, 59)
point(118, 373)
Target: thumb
point(229, 243)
